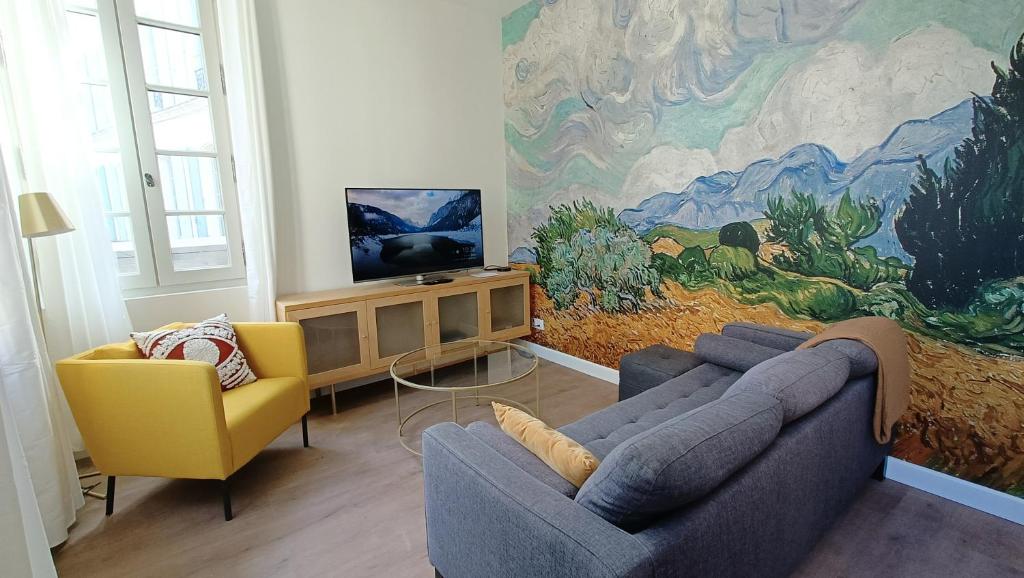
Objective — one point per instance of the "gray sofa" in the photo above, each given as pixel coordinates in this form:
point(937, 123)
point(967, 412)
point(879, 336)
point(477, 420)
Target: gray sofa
point(731, 460)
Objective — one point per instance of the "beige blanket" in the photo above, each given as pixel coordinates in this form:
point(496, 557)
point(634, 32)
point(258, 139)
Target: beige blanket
point(889, 343)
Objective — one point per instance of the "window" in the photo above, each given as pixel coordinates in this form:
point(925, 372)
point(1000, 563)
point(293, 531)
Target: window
point(150, 74)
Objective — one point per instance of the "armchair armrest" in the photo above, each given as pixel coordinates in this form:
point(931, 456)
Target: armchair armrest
point(487, 517)
point(143, 417)
point(273, 349)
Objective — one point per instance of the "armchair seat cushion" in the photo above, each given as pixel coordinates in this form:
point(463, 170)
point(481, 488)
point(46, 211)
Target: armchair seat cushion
point(259, 412)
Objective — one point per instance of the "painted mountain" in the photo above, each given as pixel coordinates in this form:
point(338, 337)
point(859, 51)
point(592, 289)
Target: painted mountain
point(884, 172)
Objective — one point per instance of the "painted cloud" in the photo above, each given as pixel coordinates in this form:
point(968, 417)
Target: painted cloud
point(622, 61)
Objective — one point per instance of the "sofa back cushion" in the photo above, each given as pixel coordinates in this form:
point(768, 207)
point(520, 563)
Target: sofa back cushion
point(681, 460)
point(801, 380)
point(735, 354)
point(767, 335)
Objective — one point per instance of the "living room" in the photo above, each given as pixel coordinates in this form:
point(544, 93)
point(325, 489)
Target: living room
point(511, 288)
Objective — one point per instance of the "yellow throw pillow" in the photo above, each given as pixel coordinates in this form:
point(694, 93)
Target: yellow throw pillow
point(560, 452)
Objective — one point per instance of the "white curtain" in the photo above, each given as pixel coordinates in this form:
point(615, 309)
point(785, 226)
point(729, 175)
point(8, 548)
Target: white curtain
point(250, 142)
point(82, 300)
point(39, 489)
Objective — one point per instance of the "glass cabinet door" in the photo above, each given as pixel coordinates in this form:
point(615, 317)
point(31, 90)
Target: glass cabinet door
point(335, 339)
point(396, 327)
point(507, 309)
point(458, 316)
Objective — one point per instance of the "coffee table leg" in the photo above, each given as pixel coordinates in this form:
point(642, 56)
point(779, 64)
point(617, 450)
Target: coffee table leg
point(536, 383)
point(455, 408)
point(398, 409)
point(476, 379)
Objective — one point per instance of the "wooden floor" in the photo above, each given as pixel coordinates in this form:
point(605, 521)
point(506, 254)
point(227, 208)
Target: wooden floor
point(352, 505)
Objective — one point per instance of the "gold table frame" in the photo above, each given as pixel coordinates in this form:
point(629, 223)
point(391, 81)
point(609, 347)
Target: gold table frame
point(430, 356)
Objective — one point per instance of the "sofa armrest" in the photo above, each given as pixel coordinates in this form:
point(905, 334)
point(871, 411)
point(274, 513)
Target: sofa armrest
point(276, 349)
point(487, 517)
point(149, 417)
point(651, 367)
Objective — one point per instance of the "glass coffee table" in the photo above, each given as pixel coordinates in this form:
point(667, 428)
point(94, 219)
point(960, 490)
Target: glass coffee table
point(462, 369)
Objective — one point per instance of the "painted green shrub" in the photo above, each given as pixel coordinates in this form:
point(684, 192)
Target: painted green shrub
point(585, 249)
point(733, 263)
point(821, 241)
point(740, 234)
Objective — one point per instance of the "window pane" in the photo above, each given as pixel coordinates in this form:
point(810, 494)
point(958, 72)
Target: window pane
point(119, 228)
point(99, 110)
point(190, 183)
point(198, 242)
point(184, 12)
point(91, 4)
point(172, 58)
point(110, 181)
point(181, 123)
point(88, 47)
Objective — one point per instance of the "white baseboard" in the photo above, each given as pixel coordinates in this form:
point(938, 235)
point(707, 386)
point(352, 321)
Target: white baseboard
point(963, 492)
point(572, 362)
point(927, 480)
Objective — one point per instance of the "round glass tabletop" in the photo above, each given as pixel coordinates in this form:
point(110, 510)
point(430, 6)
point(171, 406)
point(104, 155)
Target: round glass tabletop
point(468, 364)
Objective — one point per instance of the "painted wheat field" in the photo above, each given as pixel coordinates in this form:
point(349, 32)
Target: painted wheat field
point(964, 417)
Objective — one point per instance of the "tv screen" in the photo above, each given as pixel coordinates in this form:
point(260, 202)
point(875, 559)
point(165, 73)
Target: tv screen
point(404, 232)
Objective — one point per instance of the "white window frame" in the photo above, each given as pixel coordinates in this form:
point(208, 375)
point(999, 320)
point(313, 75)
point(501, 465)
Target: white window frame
point(132, 117)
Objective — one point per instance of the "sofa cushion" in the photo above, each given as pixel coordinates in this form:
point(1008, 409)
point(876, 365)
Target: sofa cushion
point(681, 460)
point(801, 380)
point(735, 354)
point(652, 366)
point(766, 335)
point(601, 431)
point(561, 453)
point(514, 452)
point(862, 358)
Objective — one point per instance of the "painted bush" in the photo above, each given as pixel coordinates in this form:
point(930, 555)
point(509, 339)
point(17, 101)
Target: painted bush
point(793, 165)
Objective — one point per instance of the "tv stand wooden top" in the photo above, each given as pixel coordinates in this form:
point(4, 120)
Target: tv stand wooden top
point(366, 292)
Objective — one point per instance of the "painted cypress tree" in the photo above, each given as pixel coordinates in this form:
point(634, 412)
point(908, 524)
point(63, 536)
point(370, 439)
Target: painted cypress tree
point(967, 226)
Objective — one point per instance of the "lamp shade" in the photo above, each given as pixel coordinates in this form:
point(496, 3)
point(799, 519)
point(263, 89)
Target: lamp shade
point(41, 216)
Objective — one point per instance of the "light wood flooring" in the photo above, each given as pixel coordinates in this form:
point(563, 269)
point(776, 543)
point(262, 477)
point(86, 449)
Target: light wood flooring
point(352, 506)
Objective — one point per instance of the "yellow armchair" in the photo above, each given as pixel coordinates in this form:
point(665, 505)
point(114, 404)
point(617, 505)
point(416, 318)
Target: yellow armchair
point(146, 417)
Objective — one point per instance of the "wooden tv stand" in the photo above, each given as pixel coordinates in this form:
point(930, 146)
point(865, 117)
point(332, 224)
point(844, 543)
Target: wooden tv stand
point(358, 331)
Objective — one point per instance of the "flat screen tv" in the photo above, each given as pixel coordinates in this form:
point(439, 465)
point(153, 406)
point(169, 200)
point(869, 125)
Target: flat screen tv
point(413, 232)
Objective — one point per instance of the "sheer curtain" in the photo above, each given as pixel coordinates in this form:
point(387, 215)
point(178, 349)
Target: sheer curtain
point(83, 306)
point(250, 143)
point(39, 489)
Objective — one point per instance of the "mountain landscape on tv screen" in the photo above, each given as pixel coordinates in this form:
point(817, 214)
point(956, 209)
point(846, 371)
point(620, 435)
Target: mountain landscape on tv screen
point(386, 244)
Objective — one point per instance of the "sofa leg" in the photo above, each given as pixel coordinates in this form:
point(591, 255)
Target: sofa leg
point(110, 494)
point(305, 432)
point(225, 487)
point(879, 473)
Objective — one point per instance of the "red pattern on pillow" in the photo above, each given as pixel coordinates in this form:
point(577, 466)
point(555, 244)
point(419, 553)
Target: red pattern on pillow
point(213, 341)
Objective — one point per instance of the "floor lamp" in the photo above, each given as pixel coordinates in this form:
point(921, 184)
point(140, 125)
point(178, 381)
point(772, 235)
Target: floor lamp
point(41, 216)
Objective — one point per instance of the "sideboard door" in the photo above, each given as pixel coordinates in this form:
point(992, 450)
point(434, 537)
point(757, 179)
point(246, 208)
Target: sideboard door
point(337, 342)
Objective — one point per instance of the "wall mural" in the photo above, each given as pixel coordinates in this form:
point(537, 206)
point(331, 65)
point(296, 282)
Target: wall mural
point(674, 165)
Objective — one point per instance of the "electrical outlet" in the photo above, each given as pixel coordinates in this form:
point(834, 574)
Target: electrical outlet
point(538, 324)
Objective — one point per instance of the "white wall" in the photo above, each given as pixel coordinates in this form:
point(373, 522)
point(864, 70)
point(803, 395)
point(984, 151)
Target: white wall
point(377, 93)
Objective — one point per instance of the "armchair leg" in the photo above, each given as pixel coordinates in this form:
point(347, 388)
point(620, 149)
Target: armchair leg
point(110, 494)
point(305, 432)
point(226, 490)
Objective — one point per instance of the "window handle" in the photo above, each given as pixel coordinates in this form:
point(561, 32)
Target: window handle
point(150, 181)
